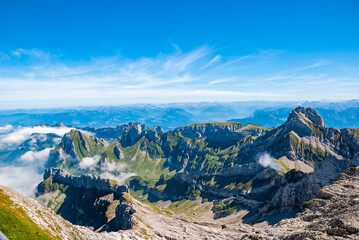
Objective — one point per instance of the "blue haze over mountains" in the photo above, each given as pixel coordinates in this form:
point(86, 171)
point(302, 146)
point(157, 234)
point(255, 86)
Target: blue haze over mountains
point(169, 116)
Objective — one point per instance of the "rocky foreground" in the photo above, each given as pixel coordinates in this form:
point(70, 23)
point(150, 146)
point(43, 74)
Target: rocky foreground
point(334, 215)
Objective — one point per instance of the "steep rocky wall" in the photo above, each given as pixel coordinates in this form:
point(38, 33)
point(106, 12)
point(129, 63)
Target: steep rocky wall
point(98, 203)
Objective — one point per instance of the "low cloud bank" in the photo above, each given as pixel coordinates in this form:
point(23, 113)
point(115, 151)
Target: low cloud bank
point(23, 178)
point(6, 129)
point(15, 136)
point(41, 156)
point(89, 162)
point(118, 172)
point(11, 137)
point(112, 170)
point(120, 177)
point(26, 173)
point(266, 161)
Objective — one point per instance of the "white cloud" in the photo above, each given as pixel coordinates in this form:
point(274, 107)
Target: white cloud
point(121, 178)
point(110, 80)
point(116, 171)
point(89, 162)
point(19, 135)
point(216, 59)
point(112, 170)
point(41, 156)
point(30, 52)
point(20, 178)
point(114, 167)
point(314, 65)
point(24, 175)
point(119, 80)
point(266, 160)
point(5, 129)
point(221, 81)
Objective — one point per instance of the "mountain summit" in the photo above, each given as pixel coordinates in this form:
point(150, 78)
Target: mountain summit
point(308, 114)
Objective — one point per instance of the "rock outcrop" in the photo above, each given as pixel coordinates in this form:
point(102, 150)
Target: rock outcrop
point(87, 181)
point(87, 200)
point(133, 132)
point(333, 215)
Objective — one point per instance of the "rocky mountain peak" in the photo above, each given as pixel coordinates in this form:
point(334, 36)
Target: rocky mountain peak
point(67, 144)
point(307, 114)
point(303, 121)
point(135, 131)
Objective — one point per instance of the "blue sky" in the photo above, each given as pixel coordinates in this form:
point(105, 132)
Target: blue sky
point(72, 53)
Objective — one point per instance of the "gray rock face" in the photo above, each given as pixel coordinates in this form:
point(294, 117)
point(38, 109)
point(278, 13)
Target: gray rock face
point(68, 145)
point(117, 152)
point(85, 181)
point(135, 131)
point(91, 201)
point(250, 169)
point(303, 122)
point(123, 219)
point(334, 215)
point(310, 114)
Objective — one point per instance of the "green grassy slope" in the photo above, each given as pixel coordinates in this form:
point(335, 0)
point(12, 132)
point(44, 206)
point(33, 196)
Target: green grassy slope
point(15, 224)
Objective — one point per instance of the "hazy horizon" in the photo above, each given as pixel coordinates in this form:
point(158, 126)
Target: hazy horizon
point(139, 104)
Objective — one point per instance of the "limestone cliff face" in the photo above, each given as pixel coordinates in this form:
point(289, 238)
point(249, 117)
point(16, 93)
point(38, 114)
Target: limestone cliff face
point(98, 203)
point(135, 131)
point(67, 144)
point(87, 181)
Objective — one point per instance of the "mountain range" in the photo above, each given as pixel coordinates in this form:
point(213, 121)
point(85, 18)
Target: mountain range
point(216, 180)
point(169, 116)
point(337, 118)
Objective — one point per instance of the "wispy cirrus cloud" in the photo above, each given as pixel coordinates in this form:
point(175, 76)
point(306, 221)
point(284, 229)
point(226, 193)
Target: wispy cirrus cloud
point(198, 75)
point(314, 65)
point(223, 80)
point(214, 60)
point(30, 52)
